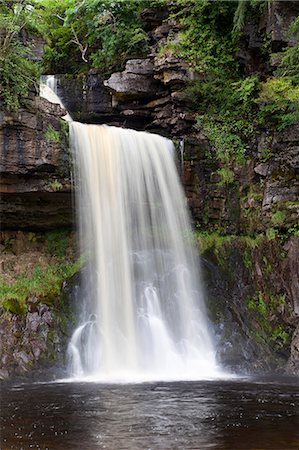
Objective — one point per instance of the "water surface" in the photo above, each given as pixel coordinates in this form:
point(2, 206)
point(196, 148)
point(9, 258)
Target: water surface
point(231, 415)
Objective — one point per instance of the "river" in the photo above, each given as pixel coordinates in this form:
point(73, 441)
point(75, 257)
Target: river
point(255, 414)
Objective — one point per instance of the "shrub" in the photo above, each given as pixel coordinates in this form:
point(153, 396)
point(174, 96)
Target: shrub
point(18, 73)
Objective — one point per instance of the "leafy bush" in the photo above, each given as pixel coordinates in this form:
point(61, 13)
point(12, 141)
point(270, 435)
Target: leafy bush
point(223, 98)
point(18, 72)
point(97, 33)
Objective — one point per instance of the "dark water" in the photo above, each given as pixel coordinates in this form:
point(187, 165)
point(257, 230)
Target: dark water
point(231, 415)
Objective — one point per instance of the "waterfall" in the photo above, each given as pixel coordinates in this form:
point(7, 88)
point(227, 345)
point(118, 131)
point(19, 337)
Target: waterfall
point(48, 90)
point(144, 316)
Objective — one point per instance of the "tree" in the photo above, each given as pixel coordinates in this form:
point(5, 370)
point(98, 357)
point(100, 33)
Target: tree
point(18, 72)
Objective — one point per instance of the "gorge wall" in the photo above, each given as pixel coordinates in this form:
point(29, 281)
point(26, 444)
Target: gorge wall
point(246, 222)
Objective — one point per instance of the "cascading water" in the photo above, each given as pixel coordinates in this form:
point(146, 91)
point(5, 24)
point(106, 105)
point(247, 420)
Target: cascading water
point(144, 317)
point(48, 90)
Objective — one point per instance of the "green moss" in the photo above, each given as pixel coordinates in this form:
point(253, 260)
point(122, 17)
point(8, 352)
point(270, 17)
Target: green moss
point(272, 328)
point(212, 241)
point(294, 230)
point(271, 234)
point(267, 265)
point(45, 283)
point(14, 305)
point(227, 176)
point(278, 218)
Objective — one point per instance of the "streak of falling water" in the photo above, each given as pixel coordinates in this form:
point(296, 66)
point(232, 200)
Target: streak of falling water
point(48, 90)
point(144, 316)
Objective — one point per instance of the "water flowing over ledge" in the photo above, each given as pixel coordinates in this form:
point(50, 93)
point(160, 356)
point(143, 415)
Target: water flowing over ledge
point(143, 317)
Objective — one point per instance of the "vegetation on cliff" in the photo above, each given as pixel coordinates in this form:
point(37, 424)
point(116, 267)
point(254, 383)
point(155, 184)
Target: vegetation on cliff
point(240, 105)
point(52, 261)
point(18, 70)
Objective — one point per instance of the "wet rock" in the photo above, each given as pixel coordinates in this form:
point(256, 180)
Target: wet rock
point(293, 363)
point(4, 374)
point(290, 272)
point(22, 358)
point(280, 17)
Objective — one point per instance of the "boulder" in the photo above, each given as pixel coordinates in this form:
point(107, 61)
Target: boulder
point(136, 81)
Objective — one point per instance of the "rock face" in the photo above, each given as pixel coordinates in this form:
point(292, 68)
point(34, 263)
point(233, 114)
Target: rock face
point(145, 95)
point(30, 341)
point(261, 195)
point(35, 168)
point(280, 17)
point(256, 316)
point(148, 95)
point(136, 81)
point(281, 177)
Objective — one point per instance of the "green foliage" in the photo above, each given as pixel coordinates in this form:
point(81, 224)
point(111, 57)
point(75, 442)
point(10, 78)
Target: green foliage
point(280, 94)
point(206, 41)
point(264, 313)
point(227, 143)
point(57, 242)
point(278, 91)
point(279, 101)
point(45, 283)
point(258, 304)
point(95, 33)
point(55, 185)
point(223, 98)
point(51, 134)
point(214, 242)
point(227, 176)
point(226, 111)
point(18, 71)
point(294, 230)
point(271, 234)
point(246, 9)
point(278, 218)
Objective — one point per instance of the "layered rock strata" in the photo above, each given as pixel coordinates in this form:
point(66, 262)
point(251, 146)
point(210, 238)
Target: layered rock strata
point(35, 168)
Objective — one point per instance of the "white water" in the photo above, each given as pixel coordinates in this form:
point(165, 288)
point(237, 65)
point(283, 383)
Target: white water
point(48, 90)
point(144, 316)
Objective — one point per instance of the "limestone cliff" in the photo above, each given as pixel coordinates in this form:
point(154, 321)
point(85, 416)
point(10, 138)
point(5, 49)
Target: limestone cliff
point(35, 168)
point(250, 283)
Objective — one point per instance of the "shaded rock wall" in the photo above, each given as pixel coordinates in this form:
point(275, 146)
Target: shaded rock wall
point(33, 341)
point(252, 290)
point(35, 168)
